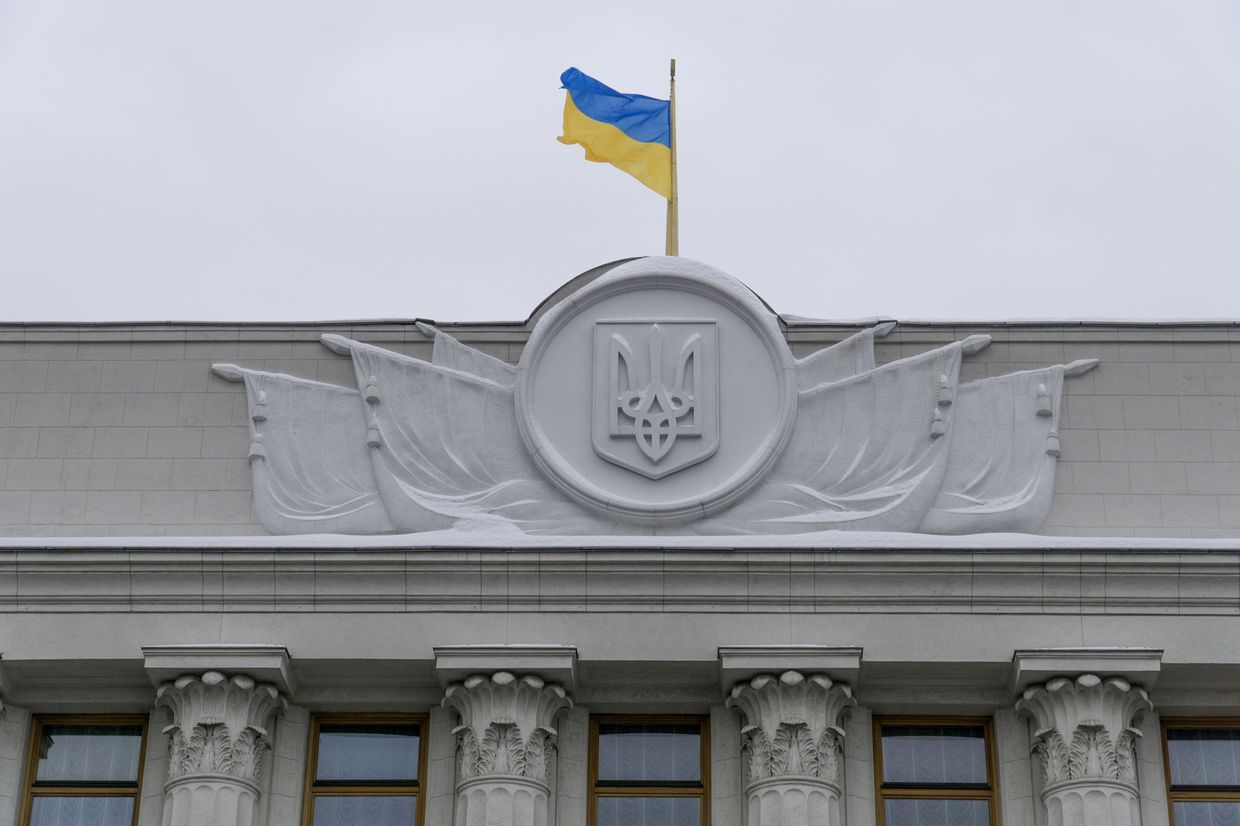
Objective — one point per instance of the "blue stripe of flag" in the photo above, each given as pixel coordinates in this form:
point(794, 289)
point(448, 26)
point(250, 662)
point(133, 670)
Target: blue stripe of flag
point(642, 118)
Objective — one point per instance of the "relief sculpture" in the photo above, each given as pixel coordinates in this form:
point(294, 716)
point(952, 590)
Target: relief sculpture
point(662, 398)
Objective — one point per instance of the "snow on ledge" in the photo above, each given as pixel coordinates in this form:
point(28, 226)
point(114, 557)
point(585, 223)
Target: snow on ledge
point(500, 540)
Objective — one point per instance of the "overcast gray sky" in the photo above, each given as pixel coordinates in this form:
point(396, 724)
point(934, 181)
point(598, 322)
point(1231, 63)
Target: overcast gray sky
point(306, 159)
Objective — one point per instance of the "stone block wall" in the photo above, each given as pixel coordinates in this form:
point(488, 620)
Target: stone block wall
point(1150, 438)
point(122, 430)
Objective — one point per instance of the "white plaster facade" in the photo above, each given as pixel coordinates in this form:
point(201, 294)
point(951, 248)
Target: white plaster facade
point(135, 578)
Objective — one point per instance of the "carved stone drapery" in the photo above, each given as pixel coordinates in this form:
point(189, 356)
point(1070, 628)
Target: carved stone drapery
point(217, 738)
point(504, 745)
point(794, 747)
point(1085, 738)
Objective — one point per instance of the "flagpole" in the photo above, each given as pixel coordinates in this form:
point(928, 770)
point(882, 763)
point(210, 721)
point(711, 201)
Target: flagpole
point(673, 203)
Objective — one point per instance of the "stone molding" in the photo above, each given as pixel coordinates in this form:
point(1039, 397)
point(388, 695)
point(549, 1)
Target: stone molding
point(792, 726)
point(507, 726)
point(261, 663)
point(1085, 729)
point(219, 725)
point(1140, 666)
point(741, 663)
point(1062, 579)
point(553, 662)
point(800, 801)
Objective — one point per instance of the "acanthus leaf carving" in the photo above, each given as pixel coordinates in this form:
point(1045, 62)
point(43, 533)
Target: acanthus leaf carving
point(219, 724)
point(506, 725)
point(1085, 728)
point(1126, 755)
point(1052, 755)
point(792, 725)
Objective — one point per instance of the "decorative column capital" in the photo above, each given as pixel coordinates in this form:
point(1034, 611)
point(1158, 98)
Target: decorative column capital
point(507, 724)
point(1086, 728)
point(792, 725)
point(219, 724)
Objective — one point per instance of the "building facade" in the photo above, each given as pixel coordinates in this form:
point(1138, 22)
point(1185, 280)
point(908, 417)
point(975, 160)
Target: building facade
point(244, 577)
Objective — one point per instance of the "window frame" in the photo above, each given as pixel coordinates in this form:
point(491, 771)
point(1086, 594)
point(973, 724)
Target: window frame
point(700, 791)
point(364, 789)
point(907, 792)
point(1200, 795)
point(30, 789)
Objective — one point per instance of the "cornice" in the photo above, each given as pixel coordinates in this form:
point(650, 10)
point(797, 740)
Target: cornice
point(701, 581)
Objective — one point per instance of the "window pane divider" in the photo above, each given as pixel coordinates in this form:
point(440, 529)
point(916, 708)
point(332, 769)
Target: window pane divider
point(649, 784)
point(366, 784)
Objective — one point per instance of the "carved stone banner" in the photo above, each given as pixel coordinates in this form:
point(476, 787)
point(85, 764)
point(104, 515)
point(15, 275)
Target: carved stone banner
point(662, 398)
point(1085, 738)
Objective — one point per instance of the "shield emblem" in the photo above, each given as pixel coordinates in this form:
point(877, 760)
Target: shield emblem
point(656, 394)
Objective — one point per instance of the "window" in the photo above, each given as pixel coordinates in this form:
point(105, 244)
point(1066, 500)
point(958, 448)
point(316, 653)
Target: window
point(931, 771)
point(649, 771)
point(365, 769)
point(84, 771)
point(1202, 759)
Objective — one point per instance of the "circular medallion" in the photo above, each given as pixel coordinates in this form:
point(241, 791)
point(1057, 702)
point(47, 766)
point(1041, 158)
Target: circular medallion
point(660, 393)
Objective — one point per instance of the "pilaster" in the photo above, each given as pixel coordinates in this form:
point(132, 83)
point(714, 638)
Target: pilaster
point(573, 775)
point(14, 729)
point(440, 768)
point(154, 771)
point(288, 767)
point(1085, 742)
point(505, 745)
point(794, 747)
point(217, 737)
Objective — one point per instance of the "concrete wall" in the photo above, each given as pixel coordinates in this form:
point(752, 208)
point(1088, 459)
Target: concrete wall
point(123, 431)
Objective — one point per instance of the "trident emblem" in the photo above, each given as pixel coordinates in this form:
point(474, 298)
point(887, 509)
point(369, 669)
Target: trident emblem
point(656, 393)
point(648, 407)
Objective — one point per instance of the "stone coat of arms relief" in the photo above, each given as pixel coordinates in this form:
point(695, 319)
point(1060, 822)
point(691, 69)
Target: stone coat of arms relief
point(656, 387)
point(660, 398)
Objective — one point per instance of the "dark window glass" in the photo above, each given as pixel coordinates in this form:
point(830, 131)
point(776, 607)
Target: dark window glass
point(1204, 756)
point(81, 811)
point(912, 812)
point(1207, 814)
point(649, 752)
point(649, 811)
point(88, 754)
point(935, 773)
point(366, 772)
point(934, 755)
point(368, 753)
point(364, 810)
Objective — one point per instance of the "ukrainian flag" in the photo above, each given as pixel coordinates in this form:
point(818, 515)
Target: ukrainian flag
point(630, 132)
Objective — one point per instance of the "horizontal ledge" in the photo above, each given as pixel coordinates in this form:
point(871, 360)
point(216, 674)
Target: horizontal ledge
point(464, 541)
